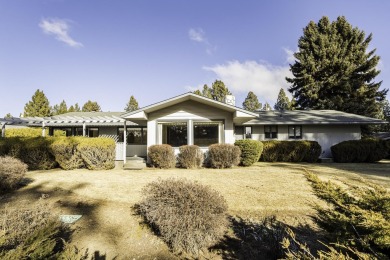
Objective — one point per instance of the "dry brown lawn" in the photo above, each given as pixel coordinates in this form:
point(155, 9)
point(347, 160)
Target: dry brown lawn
point(110, 228)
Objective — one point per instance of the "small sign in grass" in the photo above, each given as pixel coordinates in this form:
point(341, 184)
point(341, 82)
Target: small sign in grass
point(69, 219)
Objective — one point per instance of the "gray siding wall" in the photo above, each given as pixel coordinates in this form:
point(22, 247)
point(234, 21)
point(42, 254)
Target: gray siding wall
point(325, 135)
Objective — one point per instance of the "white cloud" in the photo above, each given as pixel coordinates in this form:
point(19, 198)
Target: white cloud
point(290, 55)
point(264, 79)
point(197, 35)
point(60, 29)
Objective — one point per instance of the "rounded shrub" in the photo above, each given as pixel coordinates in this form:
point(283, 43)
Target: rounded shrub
point(190, 156)
point(66, 154)
point(188, 216)
point(12, 171)
point(290, 151)
point(223, 155)
point(250, 151)
point(365, 150)
point(161, 156)
point(97, 153)
point(35, 152)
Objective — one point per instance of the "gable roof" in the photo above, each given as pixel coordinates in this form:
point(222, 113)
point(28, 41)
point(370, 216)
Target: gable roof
point(142, 112)
point(310, 117)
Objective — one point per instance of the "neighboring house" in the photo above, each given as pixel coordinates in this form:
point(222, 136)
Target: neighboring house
point(193, 119)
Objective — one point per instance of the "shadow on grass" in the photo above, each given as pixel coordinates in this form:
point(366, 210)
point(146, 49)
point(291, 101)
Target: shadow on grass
point(261, 240)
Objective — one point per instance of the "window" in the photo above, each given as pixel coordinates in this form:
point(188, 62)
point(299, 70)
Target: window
point(205, 134)
point(93, 132)
point(295, 131)
point(174, 134)
point(78, 131)
point(248, 132)
point(271, 131)
point(135, 135)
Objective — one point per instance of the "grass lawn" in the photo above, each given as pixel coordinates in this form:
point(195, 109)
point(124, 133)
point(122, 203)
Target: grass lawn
point(109, 226)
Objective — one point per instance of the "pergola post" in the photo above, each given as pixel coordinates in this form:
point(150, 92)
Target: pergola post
point(124, 142)
point(3, 130)
point(84, 129)
point(43, 129)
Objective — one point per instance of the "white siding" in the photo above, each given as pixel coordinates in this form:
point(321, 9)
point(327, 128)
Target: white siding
point(325, 135)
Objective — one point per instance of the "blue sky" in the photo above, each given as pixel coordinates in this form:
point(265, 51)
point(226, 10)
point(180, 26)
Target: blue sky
point(106, 51)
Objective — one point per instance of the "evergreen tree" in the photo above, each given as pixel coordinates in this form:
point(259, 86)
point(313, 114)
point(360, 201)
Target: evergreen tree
point(131, 105)
point(385, 116)
point(197, 92)
point(74, 108)
point(251, 102)
point(38, 106)
point(283, 102)
point(206, 92)
point(8, 115)
point(219, 91)
point(62, 108)
point(266, 107)
point(91, 106)
point(335, 70)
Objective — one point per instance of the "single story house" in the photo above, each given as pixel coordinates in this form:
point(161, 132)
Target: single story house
point(193, 119)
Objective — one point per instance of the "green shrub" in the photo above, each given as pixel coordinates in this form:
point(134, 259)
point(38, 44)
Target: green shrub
point(162, 156)
point(97, 153)
point(290, 151)
point(12, 171)
point(356, 151)
point(357, 216)
point(250, 151)
point(190, 156)
point(189, 216)
point(23, 132)
point(66, 154)
point(35, 152)
point(223, 155)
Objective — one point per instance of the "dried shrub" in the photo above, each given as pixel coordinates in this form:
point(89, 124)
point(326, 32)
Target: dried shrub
point(189, 216)
point(30, 233)
point(12, 171)
point(356, 151)
point(162, 156)
point(190, 156)
point(250, 151)
point(66, 154)
point(223, 155)
point(97, 153)
point(35, 152)
point(290, 151)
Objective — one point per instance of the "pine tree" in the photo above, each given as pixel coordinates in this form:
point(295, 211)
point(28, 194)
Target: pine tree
point(197, 92)
point(91, 106)
point(266, 107)
point(38, 106)
point(206, 92)
point(283, 102)
point(74, 108)
point(385, 116)
point(8, 115)
point(62, 108)
point(334, 69)
point(251, 102)
point(219, 91)
point(131, 105)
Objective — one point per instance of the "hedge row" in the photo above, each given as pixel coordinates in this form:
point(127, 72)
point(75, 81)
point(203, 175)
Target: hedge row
point(30, 132)
point(365, 150)
point(290, 151)
point(43, 153)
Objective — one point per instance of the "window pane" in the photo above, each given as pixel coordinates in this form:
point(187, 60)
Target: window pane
point(175, 134)
point(298, 132)
point(78, 131)
point(205, 134)
point(248, 132)
point(134, 135)
point(291, 131)
point(120, 134)
point(93, 132)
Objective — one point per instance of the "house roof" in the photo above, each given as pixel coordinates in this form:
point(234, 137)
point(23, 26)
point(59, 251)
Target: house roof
point(142, 113)
point(309, 117)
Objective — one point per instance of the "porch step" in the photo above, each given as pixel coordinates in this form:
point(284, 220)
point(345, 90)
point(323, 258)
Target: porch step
point(134, 163)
